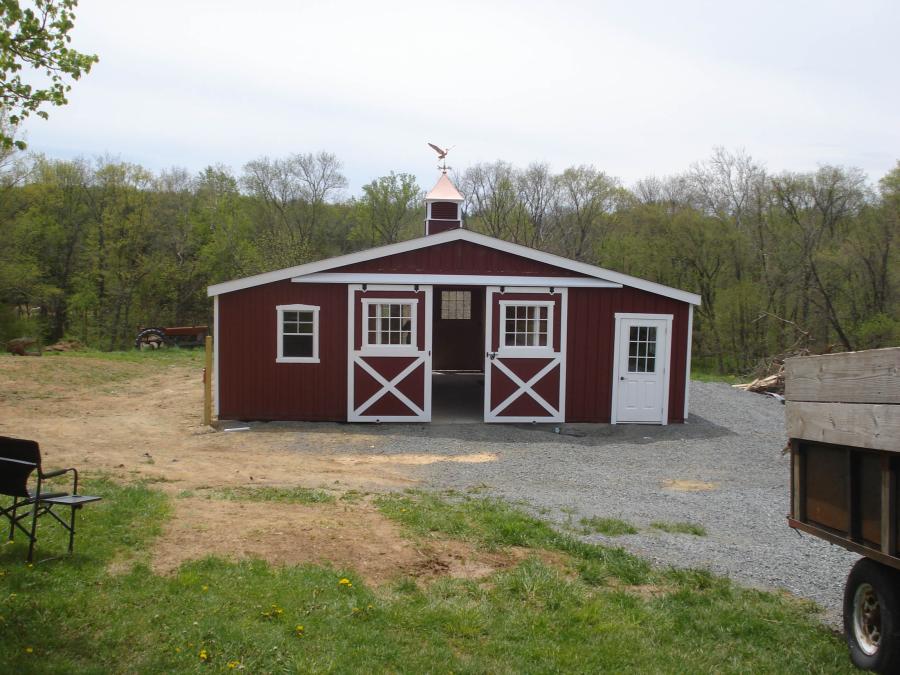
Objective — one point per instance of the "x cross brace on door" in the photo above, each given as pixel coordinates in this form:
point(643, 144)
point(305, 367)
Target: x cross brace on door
point(525, 387)
point(389, 386)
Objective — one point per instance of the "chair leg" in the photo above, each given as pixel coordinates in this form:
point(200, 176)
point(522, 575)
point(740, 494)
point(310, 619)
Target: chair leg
point(72, 530)
point(12, 522)
point(34, 516)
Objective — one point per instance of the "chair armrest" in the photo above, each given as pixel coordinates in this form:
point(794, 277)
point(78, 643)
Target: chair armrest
point(54, 474)
point(60, 472)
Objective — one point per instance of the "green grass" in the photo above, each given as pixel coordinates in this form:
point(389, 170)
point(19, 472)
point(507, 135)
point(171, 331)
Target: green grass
point(293, 495)
point(611, 527)
point(713, 376)
point(76, 616)
point(171, 355)
point(679, 528)
point(58, 376)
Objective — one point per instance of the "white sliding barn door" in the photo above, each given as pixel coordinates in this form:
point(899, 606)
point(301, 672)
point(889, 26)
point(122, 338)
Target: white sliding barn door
point(525, 355)
point(389, 369)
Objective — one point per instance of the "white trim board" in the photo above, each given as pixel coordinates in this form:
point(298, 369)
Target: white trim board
point(453, 280)
point(459, 234)
point(216, 353)
point(687, 367)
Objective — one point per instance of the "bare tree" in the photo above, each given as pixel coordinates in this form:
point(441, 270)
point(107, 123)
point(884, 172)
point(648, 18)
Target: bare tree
point(294, 192)
point(491, 197)
point(587, 200)
point(538, 192)
point(818, 206)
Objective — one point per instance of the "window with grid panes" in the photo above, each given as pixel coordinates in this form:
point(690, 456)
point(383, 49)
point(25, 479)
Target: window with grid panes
point(526, 326)
point(390, 324)
point(456, 304)
point(298, 327)
point(642, 349)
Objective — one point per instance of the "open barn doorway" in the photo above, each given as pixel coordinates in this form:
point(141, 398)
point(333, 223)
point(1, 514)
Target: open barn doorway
point(457, 389)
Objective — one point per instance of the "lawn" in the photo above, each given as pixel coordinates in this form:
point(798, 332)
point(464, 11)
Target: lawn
point(568, 606)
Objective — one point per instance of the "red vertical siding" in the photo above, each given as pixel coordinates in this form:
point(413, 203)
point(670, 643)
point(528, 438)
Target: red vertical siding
point(591, 349)
point(458, 257)
point(252, 386)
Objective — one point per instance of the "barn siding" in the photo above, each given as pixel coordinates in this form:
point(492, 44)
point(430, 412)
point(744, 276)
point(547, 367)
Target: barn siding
point(251, 385)
point(457, 257)
point(591, 349)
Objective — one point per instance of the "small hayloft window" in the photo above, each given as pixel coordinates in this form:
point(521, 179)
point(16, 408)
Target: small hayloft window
point(527, 325)
point(456, 304)
point(298, 334)
point(390, 324)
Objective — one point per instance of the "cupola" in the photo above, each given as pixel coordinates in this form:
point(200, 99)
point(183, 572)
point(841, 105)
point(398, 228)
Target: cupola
point(443, 207)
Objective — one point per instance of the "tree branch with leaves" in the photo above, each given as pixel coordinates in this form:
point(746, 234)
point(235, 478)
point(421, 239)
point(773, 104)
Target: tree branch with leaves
point(36, 62)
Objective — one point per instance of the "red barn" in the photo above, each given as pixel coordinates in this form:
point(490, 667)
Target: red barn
point(453, 322)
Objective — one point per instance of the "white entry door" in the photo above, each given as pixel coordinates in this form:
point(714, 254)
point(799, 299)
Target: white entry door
point(641, 370)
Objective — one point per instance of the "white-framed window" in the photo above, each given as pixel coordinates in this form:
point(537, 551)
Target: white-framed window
point(526, 325)
point(298, 334)
point(390, 323)
point(456, 304)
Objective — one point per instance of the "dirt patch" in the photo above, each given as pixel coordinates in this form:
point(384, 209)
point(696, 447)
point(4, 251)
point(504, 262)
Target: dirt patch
point(689, 485)
point(345, 536)
point(142, 420)
point(644, 591)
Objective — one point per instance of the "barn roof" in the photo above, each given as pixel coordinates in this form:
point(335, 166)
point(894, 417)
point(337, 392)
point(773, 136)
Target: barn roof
point(317, 268)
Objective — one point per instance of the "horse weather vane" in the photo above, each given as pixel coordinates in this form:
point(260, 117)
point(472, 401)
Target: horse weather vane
point(442, 154)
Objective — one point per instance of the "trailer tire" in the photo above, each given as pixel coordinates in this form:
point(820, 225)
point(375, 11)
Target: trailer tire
point(872, 616)
point(150, 338)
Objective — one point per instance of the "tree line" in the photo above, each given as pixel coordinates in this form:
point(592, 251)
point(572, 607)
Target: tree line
point(91, 249)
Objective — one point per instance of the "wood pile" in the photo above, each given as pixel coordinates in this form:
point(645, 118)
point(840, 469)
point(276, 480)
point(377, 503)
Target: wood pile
point(770, 375)
point(762, 385)
point(19, 346)
point(65, 346)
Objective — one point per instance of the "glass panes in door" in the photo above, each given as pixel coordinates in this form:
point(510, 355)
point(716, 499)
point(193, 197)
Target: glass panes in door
point(526, 326)
point(642, 349)
point(390, 324)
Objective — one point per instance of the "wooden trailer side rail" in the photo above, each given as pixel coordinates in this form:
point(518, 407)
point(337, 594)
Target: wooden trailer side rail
point(843, 421)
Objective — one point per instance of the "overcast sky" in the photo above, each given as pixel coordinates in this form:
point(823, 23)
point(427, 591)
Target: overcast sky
point(634, 88)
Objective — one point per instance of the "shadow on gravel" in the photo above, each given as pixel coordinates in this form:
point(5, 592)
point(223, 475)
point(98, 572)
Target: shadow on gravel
point(569, 434)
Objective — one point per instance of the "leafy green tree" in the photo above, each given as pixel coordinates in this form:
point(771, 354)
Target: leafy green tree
point(34, 45)
point(390, 208)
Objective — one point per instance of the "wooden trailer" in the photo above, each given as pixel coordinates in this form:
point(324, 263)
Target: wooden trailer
point(843, 421)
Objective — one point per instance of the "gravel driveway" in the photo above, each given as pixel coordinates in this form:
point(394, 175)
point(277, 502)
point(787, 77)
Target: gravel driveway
point(733, 441)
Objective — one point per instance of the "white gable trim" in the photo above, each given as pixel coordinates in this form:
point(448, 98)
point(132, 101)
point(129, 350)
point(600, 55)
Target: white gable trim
point(452, 280)
point(446, 237)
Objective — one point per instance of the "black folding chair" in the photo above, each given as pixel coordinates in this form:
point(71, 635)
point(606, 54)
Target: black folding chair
point(18, 459)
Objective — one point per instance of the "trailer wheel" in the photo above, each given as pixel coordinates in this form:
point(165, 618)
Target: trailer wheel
point(150, 338)
point(872, 616)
